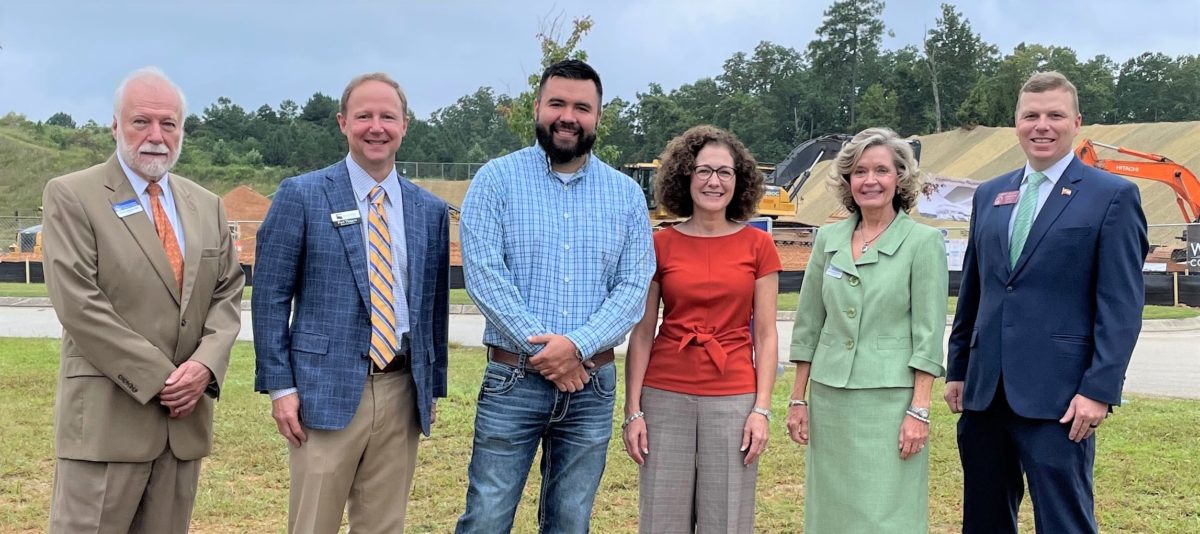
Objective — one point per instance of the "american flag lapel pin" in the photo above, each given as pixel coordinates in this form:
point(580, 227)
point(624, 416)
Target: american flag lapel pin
point(1066, 192)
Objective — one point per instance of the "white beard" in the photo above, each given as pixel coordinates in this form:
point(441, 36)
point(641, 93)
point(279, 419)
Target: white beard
point(152, 168)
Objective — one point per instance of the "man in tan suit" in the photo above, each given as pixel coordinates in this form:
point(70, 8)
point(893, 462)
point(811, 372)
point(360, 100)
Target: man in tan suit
point(142, 272)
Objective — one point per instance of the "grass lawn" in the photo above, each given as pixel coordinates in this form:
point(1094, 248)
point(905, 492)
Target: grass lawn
point(787, 301)
point(1147, 471)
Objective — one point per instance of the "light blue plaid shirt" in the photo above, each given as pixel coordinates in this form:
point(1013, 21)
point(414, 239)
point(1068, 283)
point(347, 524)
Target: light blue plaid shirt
point(541, 256)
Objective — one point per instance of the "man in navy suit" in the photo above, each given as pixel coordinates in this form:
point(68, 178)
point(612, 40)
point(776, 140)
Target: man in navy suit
point(350, 311)
point(1048, 313)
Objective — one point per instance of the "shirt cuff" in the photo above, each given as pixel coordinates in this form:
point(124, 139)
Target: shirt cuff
point(281, 393)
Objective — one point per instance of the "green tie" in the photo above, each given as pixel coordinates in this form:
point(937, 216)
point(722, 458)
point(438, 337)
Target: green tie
point(1024, 220)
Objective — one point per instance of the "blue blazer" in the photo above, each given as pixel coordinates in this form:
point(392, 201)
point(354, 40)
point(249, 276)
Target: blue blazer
point(315, 274)
point(1064, 320)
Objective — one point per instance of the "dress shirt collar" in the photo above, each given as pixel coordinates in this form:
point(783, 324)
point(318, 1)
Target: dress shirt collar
point(363, 183)
point(1054, 172)
point(140, 184)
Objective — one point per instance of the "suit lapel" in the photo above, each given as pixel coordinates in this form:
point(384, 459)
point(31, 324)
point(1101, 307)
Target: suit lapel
point(1049, 213)
point(890, 241)
point(139, 225)
point(998, 216)
point(414, 240)
point(839, 244)
point(189, 219)
point(341, 198)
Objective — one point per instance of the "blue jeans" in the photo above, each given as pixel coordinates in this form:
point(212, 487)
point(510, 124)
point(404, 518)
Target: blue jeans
point(516, 411)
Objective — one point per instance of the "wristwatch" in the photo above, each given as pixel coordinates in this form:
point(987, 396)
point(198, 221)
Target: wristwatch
point(923, 412)
point(763, 412)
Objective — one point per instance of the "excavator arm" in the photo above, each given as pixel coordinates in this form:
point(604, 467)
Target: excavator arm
point(1156, 167)
point(794, 171)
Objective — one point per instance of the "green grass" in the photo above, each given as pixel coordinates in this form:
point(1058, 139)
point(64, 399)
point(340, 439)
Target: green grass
point(1147, 469)
point(787, 301)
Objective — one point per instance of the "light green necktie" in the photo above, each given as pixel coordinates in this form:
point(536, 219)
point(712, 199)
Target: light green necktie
point(1025, 209)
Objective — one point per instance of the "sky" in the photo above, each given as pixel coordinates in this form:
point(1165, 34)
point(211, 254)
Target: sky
point(69, 55)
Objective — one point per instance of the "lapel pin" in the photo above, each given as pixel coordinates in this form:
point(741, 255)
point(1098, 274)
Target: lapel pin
point(1066, 192)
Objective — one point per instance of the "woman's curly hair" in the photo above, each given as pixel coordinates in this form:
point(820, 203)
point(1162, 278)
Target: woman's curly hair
point(908, 176)
point(673, 180)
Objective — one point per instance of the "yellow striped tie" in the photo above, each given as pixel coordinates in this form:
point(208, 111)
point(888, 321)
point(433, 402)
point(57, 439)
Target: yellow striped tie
point(383, 283)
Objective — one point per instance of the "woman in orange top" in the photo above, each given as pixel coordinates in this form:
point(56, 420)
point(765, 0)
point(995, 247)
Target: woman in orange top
point(697, 406)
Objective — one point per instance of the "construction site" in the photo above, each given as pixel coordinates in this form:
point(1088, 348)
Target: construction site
point(1157, 157)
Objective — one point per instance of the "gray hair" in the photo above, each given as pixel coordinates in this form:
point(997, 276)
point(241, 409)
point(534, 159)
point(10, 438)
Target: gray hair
point(908, 176)
point(147, 73)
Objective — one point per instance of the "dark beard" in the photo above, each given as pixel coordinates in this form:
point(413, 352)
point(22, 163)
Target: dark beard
point(558, 155)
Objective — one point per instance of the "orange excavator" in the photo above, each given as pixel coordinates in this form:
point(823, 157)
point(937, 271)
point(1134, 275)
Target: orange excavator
point(1155, 167)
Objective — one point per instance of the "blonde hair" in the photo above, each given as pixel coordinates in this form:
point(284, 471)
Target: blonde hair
point(908, 176)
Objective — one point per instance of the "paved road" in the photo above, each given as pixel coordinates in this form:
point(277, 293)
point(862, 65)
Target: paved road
point(1164, 363)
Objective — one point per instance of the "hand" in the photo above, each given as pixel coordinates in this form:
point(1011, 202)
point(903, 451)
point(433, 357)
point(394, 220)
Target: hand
point(797, 424)
point(557, 362)
point(954, 396)
point(183, 388)
point(636, 445)
point(754, 437)
point(1087, 415)
point(286, 412)
point(913, 437)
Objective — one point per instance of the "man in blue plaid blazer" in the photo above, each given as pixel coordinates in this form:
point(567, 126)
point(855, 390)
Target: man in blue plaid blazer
point(351, 421)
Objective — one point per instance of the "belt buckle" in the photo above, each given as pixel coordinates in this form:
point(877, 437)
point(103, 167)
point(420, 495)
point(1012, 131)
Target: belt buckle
point(372, 369)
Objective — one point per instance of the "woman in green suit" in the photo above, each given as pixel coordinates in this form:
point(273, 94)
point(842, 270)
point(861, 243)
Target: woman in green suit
point(867, 344)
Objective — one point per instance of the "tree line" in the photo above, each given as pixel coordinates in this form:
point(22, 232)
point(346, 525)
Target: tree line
point(773, 97)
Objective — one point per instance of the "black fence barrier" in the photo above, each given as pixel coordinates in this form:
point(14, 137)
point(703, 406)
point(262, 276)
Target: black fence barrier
point(14, 271)
point(1160, 287)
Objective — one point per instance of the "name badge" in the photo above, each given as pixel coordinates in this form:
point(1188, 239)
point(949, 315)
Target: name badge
point(1006, 198)
point(128, 207)
point(345, 218)
point(833, 271)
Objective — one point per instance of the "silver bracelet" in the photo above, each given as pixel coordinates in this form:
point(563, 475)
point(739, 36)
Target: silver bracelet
point(763, 412)
point(633, 417)
point(797, 402)
point(913, 414)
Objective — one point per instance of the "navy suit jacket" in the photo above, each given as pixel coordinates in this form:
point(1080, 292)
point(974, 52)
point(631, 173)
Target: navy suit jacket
point(1064, 320)
point(315, 274)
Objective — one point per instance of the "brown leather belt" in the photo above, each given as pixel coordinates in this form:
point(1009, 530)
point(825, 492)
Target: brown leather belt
point(401, 363)
point(509, 358)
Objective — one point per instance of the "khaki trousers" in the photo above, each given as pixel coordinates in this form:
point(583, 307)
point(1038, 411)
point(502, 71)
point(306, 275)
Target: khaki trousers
point(694, 479)
point(153, 497)
point(369, 463)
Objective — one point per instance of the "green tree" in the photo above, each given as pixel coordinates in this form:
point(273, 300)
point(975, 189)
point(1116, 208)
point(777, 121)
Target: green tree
point(555, 48)
point(1096, 83)
point(845, 54)
point(1144, 88)
point(320, 109)
point(61, 119)
point(955, 57)
point(878, 108)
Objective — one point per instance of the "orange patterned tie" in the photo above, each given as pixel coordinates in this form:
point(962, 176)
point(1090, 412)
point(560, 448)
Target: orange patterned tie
point(166, 233)
point(382, 281)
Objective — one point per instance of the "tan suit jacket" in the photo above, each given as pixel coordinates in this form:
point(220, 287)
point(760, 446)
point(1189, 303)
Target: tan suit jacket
point(126, 326)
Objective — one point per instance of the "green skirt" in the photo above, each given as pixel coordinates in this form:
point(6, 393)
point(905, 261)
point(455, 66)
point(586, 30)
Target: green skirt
point(855, 481)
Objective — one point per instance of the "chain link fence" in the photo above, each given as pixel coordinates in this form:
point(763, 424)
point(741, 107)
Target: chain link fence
point(416, 170)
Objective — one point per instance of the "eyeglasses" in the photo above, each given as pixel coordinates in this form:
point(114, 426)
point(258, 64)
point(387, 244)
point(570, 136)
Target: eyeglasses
point(724, 174)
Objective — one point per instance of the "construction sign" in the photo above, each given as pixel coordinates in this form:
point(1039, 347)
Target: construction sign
point(1193, 247)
